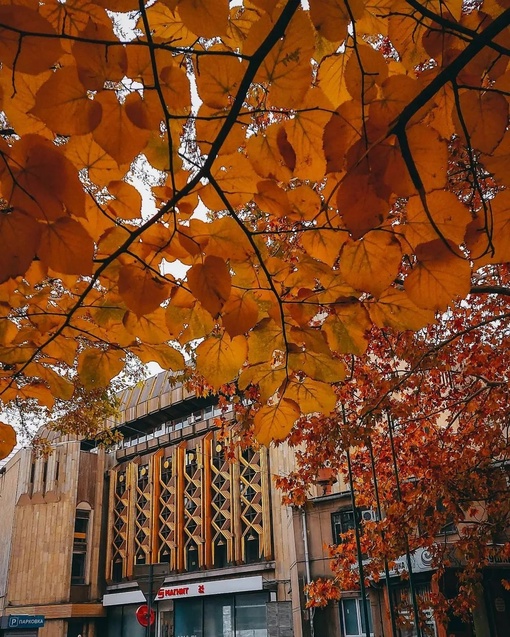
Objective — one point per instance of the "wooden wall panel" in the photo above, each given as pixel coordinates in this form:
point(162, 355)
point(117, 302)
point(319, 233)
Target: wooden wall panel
point(42, 540)
point(8, 497)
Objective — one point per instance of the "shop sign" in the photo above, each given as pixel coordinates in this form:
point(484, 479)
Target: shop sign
point(216, 587)
point(25, 621)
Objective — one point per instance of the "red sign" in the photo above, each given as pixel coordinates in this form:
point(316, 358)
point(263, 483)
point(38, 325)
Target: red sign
point(145, 616)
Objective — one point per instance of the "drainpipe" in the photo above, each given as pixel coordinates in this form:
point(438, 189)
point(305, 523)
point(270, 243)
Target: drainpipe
point(308, 576)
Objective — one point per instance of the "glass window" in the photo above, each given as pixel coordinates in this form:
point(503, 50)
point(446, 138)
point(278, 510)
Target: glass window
point(353, 617)
point(188, 618)
point(79, 562)
point(251, 618)
point(218, 616)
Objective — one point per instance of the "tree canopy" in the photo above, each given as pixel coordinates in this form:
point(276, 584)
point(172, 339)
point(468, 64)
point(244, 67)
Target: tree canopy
point(349, 159)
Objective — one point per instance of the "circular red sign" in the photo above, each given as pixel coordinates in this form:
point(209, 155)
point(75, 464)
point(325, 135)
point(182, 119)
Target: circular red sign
point(145, 616)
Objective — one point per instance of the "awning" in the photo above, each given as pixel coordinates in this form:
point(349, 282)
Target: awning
point(125, 597)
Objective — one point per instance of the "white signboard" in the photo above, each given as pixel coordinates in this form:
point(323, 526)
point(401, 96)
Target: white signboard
point(215, 587)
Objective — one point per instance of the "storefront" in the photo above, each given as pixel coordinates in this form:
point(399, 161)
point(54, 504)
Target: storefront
point(121, 609)
point(230, 608)
point(21, 625)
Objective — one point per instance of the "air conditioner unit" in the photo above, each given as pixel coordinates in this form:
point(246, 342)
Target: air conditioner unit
point(369, 515)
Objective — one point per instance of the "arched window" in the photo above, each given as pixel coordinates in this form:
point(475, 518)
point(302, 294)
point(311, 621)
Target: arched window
point(80, 544)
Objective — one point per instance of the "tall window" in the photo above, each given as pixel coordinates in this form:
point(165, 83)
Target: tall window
point(342, 521)
point(80, 543)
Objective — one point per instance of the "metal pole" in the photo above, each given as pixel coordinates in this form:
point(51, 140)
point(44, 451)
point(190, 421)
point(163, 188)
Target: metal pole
point(364, 599)
point(307, 564)
point(412, 588)
point(379, 515)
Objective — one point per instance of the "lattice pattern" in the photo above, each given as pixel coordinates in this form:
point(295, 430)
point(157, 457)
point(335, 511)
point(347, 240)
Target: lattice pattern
point(221, 507)
point(119, 548)
point(193, 515)
point(252, 546)
point(191, 509)
point(143, 515)
point(167, 531)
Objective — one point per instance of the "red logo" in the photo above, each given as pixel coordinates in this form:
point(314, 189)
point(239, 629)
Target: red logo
point(201, 588)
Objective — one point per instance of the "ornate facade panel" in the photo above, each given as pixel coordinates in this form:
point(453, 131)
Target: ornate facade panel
point(191, 506)
point(121, 549)
point(143, 513)
point(167, 509)
point(193, 522)
point(221, 509)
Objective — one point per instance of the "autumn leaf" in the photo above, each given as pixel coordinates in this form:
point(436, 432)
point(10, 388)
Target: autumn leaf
point(440, 274)
point(209, 18)
point(150, 328)
point(16, 256)
point(66, 247)
point(116, 134)
point(449, 216)
point(395, 309)
point(165, 355)
point(7, 440)
point(37, 53)
point(64, 105)
point(240, 313)
point(96, 367)
point(219, 359)
point(311, 396)
point(210, 283)
point(346, 329)
point(372, 262)
point(274, 422)
point(141, 289)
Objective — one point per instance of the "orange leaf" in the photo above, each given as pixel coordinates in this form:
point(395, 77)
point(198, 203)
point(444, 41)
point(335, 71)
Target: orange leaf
point(66, 247)
point(304, 133)
point(395, 309)
point(274, 422)
point(164, 355)
point(7, 440)
point(439, 276)
point(346, 329)
point(449, 215)
point(151, 328)
point(63, 104)
point(220, 359)
point(485, 116)
point(141, 289)
point(116, 133)
point(206, 18)
point(97, 367)
point(20, 240)
point(127, 202)
point(312, 396)
point(240, 313)
point(32, 54)
point(430, 154)
point(210, 283)
point(371, 263)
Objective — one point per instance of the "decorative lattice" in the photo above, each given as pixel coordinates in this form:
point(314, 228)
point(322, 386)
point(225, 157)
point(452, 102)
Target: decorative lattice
point(143, 515)
point(222, 532)
point(252, 545)
point(193, 522)
point(167, 516)
point(119, 547)
point(190, 507)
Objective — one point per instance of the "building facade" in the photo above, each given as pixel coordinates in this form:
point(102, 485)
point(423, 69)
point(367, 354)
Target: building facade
point(51, 530)
point(178, 533)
